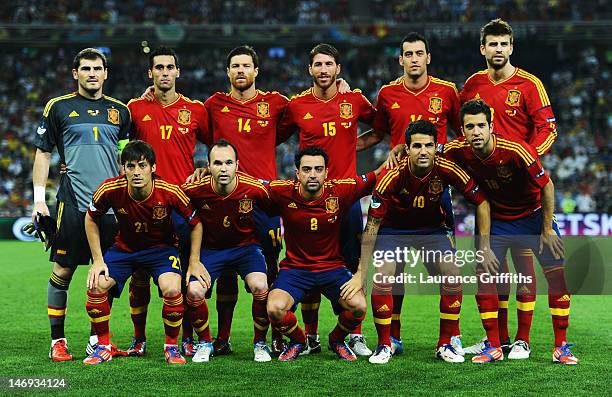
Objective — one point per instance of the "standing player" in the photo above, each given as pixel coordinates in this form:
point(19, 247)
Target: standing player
point(248, 118)
point(227, 201)
point(329, 119)
point(415, 96)
point(312, 210)
point(522, 205)
point(146, 239)
point(172, 124)
point(520, 109)
point(407, 203)
point(87, 128)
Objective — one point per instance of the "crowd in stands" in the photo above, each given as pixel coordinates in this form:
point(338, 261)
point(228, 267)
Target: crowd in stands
point(295, 11)
point(579, 88)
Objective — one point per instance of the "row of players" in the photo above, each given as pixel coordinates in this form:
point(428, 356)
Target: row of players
point(86, 127)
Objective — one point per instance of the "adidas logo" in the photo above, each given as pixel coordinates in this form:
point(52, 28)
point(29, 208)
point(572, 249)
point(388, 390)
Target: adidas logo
point(122, 211)
point(383, 308)
point(455, 305)
point(94, 311)
point(205, 207)
point(524, 289)
point(146, 118)
point(395, 105)
point(477, 96)
point(225, 109)
point(564, 298)
point(308, 116)
point(73, 114)
point(292, 205)
point(404, 191)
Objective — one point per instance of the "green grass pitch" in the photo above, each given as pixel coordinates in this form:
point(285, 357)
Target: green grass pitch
point(24, 347)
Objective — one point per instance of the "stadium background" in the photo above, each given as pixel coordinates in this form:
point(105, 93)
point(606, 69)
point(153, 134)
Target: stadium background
point(565, 43)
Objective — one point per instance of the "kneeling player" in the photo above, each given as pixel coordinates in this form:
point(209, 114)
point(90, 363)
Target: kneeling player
point(407, 202)
point(227, 201)
point(522, 205)
point(142, 204)
point(312, 210)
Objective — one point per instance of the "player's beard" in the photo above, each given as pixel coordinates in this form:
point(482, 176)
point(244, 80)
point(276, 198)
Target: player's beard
point(499, 65)
point(332, 81)
point(248, 83)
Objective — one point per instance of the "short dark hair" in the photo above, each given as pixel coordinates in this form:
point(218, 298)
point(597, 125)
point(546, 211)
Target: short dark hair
point(424, 127)
point(326, 49)
point(413, 37)
point(310, 151)
point(243, 50)
point(90, 54)
point(475, 106)
point(223, 143)
point(162, 51)
point(138, 150)
point(496, 27)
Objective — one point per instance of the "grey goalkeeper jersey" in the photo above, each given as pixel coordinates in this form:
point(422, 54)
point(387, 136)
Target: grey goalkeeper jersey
point(86, 133)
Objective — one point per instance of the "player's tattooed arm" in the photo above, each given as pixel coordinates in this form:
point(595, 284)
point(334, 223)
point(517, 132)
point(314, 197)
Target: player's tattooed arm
point(549, 237)
point(368, 240)
point(368, 139)
point(490, 263)
point(98, 267)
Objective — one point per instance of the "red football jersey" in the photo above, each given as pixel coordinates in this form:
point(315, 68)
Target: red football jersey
point(520, 105)
point(312, 228)
point(251, 127)
point(405, 201)
point(330, 124)
point(142, 224)
point(511, 177)
point(228, 220)
point(397, 107)
point(172, 130)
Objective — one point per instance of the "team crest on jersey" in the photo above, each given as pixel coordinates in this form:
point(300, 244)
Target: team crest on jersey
point(331, 205)
point(159, 212)
point(245, 206)
point(184, 116)
point(503, 171)
point(346, 110)
point(435, 187)
point(435, 105)
point(113, 116)
point(263, 109)
point(513, 98)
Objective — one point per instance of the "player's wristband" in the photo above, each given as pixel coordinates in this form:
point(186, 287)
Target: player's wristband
point(39, 194)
